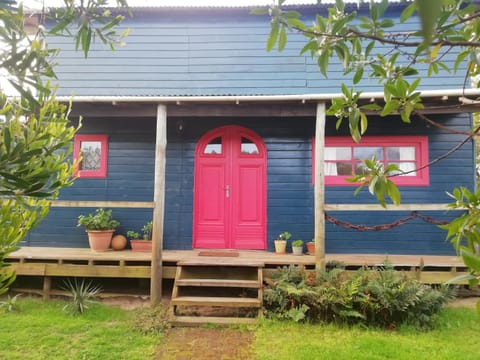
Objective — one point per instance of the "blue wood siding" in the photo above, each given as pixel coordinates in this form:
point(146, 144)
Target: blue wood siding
point(207, 52)
point(290, 189)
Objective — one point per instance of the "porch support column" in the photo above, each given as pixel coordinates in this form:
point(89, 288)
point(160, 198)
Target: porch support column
point(319, 200)
point(159, 206)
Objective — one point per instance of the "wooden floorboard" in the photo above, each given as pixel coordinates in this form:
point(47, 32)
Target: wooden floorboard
point(245, 256)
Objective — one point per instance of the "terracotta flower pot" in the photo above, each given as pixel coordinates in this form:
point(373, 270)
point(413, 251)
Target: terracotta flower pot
point(99, 240)
point(311, 247)
point(141, 245)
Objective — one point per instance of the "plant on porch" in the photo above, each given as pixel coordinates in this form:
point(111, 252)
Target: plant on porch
point(141, 243)
point(100, 227)
point(281, 242)
point(297, 247)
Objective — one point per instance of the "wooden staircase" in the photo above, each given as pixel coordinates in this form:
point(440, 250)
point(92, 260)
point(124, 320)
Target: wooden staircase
point(222, 293)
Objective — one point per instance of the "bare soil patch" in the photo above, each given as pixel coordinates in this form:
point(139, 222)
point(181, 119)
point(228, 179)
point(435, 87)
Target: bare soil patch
point(206, 344)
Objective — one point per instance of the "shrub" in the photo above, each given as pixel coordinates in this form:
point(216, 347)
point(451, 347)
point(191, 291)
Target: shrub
point(372, 297)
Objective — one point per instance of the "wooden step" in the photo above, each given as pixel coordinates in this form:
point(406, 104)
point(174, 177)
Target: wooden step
point(218, 283)
point(218, 320)
point(216, 301)
point(221, 262)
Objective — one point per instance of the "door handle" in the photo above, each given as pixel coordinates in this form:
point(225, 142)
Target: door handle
point(227, 191)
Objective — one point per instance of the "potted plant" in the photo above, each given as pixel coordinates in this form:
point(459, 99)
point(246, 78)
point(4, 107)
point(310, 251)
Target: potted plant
point(311, 247)
point(100, 227)
point(142, 242)
point(297, 247)
point(281, 242)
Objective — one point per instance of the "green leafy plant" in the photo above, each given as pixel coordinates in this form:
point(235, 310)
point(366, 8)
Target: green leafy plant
point(464, 232)
point(10, 304)
point(371, 297)
point(285, 235)
point(83, 293)
point(101, 220)
point(146, 232)
point(297, 243)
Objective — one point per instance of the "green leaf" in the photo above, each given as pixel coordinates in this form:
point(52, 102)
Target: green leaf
point(390, 107)
point(407, 12)
point(460, 279)
point(429, 11)
point(358, 76)
point(471, 260)
point(272, 38)
point(363, 123)
point(393, 192)
point(7, 139)
point(323, 60)
point(282, 40)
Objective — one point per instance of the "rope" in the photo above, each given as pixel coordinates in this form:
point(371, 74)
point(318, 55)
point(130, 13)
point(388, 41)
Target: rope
point(399, 222)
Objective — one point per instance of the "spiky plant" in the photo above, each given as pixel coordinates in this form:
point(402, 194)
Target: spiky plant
point(83, 293)
point(10, 304)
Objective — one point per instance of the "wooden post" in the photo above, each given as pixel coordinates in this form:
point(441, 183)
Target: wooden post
point(319, 187)
point(159, 206)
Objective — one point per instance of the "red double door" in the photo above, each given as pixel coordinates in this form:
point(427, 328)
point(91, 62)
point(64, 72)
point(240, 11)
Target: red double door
point(230, 190)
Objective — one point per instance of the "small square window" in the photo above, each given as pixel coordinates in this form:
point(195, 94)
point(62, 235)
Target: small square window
point(92, 150)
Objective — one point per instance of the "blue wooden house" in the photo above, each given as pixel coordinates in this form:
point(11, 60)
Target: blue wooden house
point(195, 125)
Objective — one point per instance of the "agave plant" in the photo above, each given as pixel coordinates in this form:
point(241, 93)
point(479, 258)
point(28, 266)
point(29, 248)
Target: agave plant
point(83, 293)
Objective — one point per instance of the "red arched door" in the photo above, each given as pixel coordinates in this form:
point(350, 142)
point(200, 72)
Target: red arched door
point(230, 190)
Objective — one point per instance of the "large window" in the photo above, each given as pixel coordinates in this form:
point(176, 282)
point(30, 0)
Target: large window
point(344, 157)
point(92, 150)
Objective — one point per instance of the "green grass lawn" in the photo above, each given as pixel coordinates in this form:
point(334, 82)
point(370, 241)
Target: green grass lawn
point(456, 336)
point(42, 330)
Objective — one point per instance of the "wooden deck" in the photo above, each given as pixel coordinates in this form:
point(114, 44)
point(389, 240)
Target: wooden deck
point(49, 262)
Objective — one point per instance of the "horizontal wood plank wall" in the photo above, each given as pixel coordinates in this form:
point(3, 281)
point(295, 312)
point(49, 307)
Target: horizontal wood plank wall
point(290, 190)
point(208, 52)
point(127, 189)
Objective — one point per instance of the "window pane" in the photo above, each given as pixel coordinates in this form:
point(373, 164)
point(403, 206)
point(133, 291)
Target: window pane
point(367, 152)
point(248, 147)
point(408, 167)
point(344, 168)
point(338, 153)
point(91, 155)
point(214, 147)
point(401, 153)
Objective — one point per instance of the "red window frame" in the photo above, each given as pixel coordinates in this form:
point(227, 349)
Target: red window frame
point(100, 173)
point(421, 157)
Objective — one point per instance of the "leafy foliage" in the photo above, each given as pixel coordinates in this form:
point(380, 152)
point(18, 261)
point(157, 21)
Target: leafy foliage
point(100, 220)
point(371, 297)
point(146, 232)
point(93, 20)
point(369, 47)
point(83, 293)
point(35, 133)
point(464, 232)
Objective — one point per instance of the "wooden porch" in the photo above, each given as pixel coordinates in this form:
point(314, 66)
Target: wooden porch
point(48, 263)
